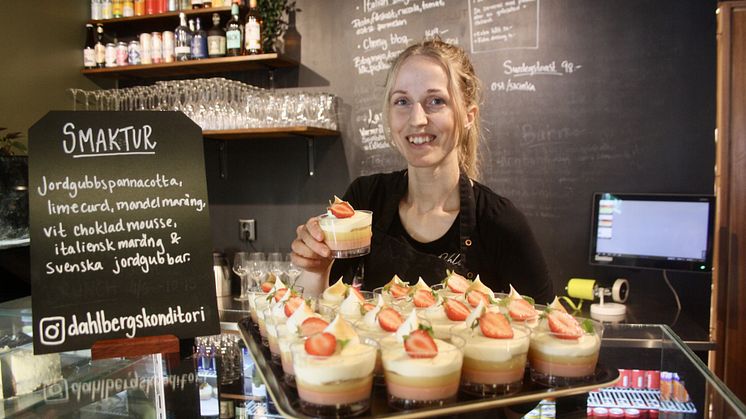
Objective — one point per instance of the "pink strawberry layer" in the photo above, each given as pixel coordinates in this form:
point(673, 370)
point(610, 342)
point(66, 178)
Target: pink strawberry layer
point(438, 392)
point(338, 393)
point(492, 377)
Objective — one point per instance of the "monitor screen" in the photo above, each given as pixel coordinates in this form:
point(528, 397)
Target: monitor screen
point(653, 231)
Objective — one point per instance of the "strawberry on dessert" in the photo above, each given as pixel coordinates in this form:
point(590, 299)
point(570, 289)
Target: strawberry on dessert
point(333, 369)
point(444, 314)
point(477, 292)
point(420, 370)
point(422, 295)
point(519, 308)
point(347, 232)
point(302, 323)
point(389, 319)
point(456, 283)
point(564, 349)
point(494, 353)
point(396, 289)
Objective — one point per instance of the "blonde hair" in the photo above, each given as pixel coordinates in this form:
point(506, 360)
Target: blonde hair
point(463, 86)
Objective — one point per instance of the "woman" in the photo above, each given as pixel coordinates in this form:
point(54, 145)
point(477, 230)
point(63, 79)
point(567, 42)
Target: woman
point(433, 216)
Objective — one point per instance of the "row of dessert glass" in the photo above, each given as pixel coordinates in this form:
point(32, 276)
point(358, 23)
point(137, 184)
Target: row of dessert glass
point(423, 343)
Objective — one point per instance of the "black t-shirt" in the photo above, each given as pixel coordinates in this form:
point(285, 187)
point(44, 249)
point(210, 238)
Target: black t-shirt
point(490, 238)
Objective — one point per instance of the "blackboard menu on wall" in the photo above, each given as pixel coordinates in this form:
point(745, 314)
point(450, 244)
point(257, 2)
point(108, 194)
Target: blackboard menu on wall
point(579, 96)
point(119, 229)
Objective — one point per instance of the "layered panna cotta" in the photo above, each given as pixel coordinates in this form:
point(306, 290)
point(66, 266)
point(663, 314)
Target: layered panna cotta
point(395, 291)
point(302, 323)
point(419, 369)
point(277, 314)
point(334, 371)
point(347, 232)
point(564, 349)
point(494, 353)
point(378, 323)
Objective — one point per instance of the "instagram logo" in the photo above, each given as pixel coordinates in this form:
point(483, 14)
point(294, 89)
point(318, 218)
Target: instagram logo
point(52, 330)
point(57, 392)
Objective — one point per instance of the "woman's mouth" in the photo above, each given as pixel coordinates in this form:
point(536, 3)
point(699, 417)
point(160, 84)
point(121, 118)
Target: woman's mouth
point(420, 138)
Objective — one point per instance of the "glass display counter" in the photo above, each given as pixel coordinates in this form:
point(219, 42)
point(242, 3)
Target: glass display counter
point(207, 385)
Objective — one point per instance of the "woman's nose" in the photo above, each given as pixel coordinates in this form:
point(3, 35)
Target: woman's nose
point(417, 116)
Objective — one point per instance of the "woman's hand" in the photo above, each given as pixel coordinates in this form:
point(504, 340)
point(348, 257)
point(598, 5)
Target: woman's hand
point(309, 251)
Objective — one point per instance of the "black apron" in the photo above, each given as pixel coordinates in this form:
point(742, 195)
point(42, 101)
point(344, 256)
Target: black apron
point(392, 255)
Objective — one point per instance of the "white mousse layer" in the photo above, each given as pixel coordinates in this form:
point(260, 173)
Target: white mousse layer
point(484, 348)
point(395, 358)
point(360, 219)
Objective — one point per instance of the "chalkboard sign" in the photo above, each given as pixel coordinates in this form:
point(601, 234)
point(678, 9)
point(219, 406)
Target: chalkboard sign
point(579, 96)
point(119, 221)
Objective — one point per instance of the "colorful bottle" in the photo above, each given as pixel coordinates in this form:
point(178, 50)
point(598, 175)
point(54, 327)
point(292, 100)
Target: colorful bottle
point(199, 41)
point(89, 49)
point(233, 33)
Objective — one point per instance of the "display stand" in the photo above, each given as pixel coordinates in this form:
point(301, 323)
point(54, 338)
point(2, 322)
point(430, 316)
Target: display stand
point(168, 345)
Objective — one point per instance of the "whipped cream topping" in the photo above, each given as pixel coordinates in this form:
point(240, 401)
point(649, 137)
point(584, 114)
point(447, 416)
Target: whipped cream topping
point(361, 219)
point(301, 314)
point(478, 346)
point(475, 314)
point(335, 294)
point(448, 360)
point(513, 294)
point(410, 324)
point(421, 285)
point(544, 341)
point(278, 284)
point(557, 305)
point(342, 330)
point(396, 280)
point(477, 285)
point(350, 307)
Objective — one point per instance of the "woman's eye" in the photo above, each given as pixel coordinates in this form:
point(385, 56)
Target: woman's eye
point(436, 101)
point(400, 101)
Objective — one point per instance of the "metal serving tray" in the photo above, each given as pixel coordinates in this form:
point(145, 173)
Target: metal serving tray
point(286, 397)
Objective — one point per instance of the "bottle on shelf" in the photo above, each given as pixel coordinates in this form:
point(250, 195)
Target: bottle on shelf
point(139, 7)
point(106, 9)
point(216, 38)
point(100, 47)
point(233, 33)
point(206, 3)
point(172, 6)
point(128, 8)
point(199, 41)
point(89, 49)
point(253, 31)
point(150, 7)
point(117, 8)
point(197, 4)
point(96, 9)
point(182, 40)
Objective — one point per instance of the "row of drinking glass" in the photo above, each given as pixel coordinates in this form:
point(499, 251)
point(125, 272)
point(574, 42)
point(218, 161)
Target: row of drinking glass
point(254, 268)
point(218, 103)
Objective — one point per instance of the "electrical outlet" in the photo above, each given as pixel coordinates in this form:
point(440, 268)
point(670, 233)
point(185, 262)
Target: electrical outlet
point(247, 230)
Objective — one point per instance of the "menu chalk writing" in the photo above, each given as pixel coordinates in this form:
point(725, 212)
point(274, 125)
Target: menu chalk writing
point(118, 216)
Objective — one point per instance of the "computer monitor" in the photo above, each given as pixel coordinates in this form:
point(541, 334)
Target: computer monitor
point(653, 231)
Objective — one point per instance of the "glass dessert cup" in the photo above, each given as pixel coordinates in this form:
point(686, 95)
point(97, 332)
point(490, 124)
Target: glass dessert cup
point(336, 385)
point(373, 336)
point(346, 237)
point(493, 367)
point(559, 362)
point(273, 326)
point(413, 383)
point(253, 295)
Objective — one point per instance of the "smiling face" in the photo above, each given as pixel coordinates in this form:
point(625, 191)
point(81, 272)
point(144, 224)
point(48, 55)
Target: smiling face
point(422, 114)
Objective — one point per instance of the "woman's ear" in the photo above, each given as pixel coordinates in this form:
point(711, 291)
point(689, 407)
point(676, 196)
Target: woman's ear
point(470, 116)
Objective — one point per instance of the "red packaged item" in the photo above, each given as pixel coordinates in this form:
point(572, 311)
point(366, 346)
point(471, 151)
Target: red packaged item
point(616, 412)
point(638, 379)
point(600, 412)
point(150, 7)
point(666, 386)
point(653, 379)
point(631, 413)
point(624, 376)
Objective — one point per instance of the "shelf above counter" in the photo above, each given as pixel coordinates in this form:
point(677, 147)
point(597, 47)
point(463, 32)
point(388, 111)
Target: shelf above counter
point(306, 132)
point(204, 66)
point(249, 133)
point(158, 21)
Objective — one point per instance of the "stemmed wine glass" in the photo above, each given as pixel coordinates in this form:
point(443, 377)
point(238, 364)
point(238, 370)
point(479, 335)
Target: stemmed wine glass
point(275, 264)
point(257, 267)
point(241, 268)
point(293, 271)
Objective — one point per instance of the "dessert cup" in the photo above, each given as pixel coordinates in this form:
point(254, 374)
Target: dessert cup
point(272, 325)
point(557, 362)
point(252, 304)
point(421, 382)
point(493, 367)
point(336, 385)
point(347, 237)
